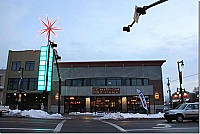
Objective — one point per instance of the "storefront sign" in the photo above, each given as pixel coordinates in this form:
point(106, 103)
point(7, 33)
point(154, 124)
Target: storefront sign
point(97, 90)
point(42, 78)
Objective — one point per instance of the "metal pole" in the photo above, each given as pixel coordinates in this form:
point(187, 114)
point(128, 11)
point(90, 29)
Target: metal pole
point(154, 4)
point(154, 106)
point(59, 78)
point(170, 99)
point(47, 64)
point(180, 82)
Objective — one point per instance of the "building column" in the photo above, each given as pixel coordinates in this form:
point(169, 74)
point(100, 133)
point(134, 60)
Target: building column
point(124, 104)
point(87, 104)
point(49, 102)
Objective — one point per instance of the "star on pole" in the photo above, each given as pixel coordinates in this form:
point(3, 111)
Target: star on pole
point(49, 28)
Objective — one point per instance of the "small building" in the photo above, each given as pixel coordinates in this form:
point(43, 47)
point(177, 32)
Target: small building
point(109, 86)
point(21, 81)
point(2, 80)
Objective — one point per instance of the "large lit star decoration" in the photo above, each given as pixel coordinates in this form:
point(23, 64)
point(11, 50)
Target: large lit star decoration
point(49, 28)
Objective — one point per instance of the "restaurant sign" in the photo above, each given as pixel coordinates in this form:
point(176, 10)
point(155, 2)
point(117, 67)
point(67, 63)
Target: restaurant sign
point(97, 90)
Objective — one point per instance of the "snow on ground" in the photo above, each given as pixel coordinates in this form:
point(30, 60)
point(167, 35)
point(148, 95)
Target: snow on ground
point(130, 115)
point(33, 114)
point(119, 115)
point(42, 114)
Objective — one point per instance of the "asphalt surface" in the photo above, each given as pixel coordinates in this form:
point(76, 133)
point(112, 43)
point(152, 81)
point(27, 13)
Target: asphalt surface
point(91, 124)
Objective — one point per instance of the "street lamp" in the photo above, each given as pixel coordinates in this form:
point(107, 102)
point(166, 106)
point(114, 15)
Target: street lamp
point(21, 70)
point(57, 57)
point(170, 98)
point(156, 98)
point(141, 11)
point(180, 78)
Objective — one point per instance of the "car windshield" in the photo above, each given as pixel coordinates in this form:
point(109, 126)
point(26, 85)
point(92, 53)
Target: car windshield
point(181, 106)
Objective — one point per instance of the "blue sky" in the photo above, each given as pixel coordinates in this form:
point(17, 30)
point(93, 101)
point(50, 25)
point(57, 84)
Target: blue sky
point(93, 32)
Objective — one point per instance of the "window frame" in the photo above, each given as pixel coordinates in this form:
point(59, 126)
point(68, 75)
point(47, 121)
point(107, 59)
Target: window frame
point(15, 66)
point(30, 65)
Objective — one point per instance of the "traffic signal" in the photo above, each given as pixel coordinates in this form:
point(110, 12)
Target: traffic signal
point(53, 44)
point(141, 10)
point(127, 29)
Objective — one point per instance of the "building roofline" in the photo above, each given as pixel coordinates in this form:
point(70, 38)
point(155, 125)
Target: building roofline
point(112, 63)
point(24, 50)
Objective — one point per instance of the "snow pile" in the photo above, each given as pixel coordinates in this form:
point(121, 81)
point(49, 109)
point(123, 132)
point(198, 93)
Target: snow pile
point(130, 115)
point(88, 113)
point(79, 113)
point(33, 114)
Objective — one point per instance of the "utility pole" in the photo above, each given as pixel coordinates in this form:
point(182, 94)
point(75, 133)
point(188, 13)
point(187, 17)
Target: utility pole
point(180, 79)
point(170, 99)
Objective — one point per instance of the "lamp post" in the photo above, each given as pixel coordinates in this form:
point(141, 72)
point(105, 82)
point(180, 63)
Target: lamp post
point(180, 78)
point(59, 78)
point(57, 57)
point(21, 70)
point(156, 98)
point(170, 98)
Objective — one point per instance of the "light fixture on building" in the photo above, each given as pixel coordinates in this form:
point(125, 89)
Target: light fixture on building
point(157, 96)
point(56, 96)
point(71, 98)
point(25, 94)
point(15, 94)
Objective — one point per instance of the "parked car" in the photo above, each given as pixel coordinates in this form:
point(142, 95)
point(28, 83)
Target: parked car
point(183, 111)
point(3, 109)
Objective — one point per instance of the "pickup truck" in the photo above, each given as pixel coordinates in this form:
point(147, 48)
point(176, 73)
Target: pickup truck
point(183, 111)
point(3, 109)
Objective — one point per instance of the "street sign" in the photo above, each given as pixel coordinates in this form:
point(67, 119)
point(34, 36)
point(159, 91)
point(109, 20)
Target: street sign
point(136, 15)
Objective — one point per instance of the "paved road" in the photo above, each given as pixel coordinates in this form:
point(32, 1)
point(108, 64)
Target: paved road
point(155, 126)
point(89, 124)
point(27, 125)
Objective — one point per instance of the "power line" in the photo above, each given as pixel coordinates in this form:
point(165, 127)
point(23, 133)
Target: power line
point(183, 78)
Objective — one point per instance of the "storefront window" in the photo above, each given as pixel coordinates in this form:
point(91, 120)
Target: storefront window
point(75, 104)
point(68, 82)
point(134, 104)
point(98, 82)
point(103, 104)
point(145, 82)
point(139, 82)
point(107, 82)
point(25, 84)
point(126, 82)
point(33, 84)
point(114, 82)
point(133, 82)
point(13, 84)
point(86, 82)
